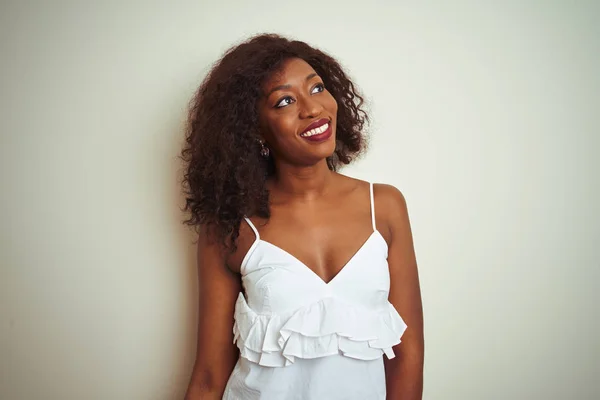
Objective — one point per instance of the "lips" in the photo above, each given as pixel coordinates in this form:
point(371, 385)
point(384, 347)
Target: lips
point(314, 128)
point(319, 134)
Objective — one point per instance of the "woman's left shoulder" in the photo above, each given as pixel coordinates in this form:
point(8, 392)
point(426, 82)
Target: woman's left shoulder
point(390, 206)
point(389, 198)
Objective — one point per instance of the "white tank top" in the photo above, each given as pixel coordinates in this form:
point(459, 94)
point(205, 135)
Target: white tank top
point(303, 338)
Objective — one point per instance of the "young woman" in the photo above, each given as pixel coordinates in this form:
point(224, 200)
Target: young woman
point(303, 272)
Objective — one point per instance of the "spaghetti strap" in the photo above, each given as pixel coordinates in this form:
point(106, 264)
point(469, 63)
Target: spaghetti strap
point(372, 207)
point(252, 247)
point(253, 227)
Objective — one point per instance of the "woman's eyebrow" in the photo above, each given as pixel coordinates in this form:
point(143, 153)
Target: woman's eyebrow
point(287, 86)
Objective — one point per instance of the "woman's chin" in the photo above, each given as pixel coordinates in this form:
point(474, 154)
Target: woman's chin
point(324, 154)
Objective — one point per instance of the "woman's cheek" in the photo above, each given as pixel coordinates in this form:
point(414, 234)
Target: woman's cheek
point(287, 127)
point(282, 131)
point(333, 104)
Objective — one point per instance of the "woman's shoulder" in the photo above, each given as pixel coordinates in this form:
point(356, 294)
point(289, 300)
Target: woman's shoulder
point(385, 195)
point(388, 195)
point(391, 212)
point(389, 201)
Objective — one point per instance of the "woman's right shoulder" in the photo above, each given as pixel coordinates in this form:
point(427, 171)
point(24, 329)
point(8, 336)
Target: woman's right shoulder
point(245, 240)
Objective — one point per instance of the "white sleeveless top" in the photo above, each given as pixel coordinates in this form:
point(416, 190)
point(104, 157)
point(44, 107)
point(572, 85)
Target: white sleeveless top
point(302, 338)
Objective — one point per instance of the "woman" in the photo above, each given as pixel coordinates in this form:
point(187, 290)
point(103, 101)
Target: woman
point(303, 272)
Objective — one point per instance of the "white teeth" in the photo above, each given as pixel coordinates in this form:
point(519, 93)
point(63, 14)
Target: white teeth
point(316, 131)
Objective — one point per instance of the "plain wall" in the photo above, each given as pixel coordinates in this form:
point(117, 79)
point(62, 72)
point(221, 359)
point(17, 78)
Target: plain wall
point(485, 115)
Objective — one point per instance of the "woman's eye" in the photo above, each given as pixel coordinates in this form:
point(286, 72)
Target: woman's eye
point(318, 88)
point(286, 101)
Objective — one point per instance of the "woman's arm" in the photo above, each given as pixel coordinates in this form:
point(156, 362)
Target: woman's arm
point(404, 373)
point(216, 354)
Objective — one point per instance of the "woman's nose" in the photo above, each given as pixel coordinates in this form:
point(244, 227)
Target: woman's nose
point(309, 108)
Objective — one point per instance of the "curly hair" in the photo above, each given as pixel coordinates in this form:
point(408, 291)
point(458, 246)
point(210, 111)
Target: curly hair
point(225, 175)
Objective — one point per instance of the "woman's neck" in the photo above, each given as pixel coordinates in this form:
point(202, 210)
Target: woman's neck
point(302, 182)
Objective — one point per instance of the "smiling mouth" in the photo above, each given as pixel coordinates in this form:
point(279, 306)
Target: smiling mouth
point(316, 131)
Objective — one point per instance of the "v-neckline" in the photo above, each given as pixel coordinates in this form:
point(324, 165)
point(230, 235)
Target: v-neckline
point(326, 283)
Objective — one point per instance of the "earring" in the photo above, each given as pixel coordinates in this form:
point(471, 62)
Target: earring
point(264, 150)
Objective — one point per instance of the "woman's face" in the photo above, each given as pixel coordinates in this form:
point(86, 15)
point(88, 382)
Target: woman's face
point(297, 115)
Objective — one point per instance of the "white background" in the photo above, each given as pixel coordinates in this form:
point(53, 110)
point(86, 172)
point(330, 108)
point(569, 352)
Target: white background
point(485, 114)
